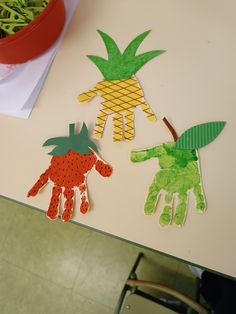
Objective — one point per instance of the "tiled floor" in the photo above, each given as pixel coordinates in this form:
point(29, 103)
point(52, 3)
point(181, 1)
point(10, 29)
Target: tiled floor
point(58, 268)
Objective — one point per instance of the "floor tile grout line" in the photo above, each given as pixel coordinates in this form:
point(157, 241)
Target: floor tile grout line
point(73, 290)
point(78, 268)
point(92, 234)
point(3, 246)
point(81, 294)
point(3, 242)
point(77, 272)
point(90, 299)
point(81, 260)
point(35, 274)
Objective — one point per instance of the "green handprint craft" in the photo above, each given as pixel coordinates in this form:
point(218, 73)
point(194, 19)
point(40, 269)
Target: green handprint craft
point(179, 172)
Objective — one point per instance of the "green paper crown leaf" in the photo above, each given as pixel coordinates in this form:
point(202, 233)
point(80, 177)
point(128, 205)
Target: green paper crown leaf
point(200, 135)
point(120, 66)
point(134, 44)
point(112, 49)
point(80, 143)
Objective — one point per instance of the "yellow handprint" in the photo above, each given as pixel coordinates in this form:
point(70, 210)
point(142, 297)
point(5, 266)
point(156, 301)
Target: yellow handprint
point(120, 88)
point(120, 97)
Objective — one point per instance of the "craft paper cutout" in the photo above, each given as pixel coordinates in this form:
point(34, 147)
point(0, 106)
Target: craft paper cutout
point(78, 142)
point(73, 159)
point(120, 89)
point(200, 135)
point(179, 173)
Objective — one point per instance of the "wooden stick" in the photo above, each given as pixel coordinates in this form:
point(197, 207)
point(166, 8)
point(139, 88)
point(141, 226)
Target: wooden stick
point(171, 129)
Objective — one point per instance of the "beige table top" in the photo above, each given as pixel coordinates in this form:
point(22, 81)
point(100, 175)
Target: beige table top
point(193, 82)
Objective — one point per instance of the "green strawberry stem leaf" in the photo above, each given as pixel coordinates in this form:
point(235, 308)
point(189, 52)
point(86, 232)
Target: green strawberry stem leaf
point(80, 142)
point(72, 129)
point(200, 135)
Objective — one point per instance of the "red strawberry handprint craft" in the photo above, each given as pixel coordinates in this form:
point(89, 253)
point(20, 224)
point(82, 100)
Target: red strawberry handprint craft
point(73, 158)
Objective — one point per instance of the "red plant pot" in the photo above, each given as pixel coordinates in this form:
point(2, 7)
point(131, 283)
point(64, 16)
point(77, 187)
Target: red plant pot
point(36, 37)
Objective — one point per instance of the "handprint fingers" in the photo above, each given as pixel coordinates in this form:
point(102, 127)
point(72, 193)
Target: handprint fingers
point(129, 125)
point(118, 127)
point(100, 124)
point(103, 168)
point(181, 209)
point(84, 205)
point(53, 209)
point(69, 204)
point(148, 111)
point(87, 96)
point(43, 179)
point(201, 203)
point(167, 213)
point(145, 154)
point(152, 198)
point(138, 156)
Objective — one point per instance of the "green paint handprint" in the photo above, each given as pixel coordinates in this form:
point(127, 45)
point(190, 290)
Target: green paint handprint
point(179, 172)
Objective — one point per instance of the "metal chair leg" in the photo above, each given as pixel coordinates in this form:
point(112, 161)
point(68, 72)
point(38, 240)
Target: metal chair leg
point(126, 288)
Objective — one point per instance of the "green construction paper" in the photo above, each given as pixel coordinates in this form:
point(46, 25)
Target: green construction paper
point(200, 135)
point(179, 173)
point(80, 142)
point(113, 52)
point(120, 66)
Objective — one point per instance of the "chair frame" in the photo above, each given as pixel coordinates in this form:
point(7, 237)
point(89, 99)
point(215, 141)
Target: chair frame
point(133, 283)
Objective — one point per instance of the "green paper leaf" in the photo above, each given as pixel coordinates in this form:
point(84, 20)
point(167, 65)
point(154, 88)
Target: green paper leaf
point(100, 62)
point(120, 66)
point(112, 49)
point(55, 141)
point(132, 48)
point(80, 143)
point(84, 131)
point(200, 135)
point(59, 150)
point(143, 58)
point(93, 146)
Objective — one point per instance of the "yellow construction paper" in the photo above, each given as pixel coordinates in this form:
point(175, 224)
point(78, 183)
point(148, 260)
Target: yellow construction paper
point(120, 98)
point(120, 89)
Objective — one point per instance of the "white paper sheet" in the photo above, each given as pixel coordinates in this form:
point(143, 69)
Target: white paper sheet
point(20, 89)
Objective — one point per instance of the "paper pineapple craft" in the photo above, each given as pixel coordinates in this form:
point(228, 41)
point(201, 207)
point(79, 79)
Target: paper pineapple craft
point(73, 158)
point(179, 171)
point(120, 88)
